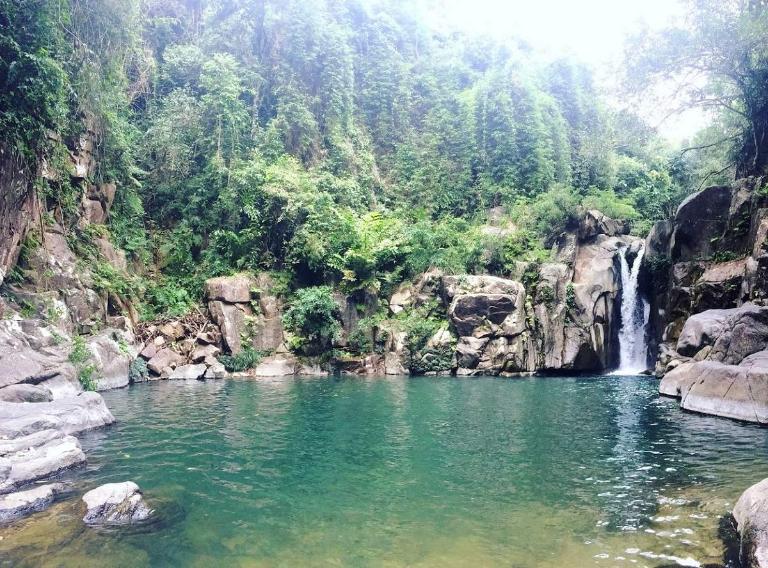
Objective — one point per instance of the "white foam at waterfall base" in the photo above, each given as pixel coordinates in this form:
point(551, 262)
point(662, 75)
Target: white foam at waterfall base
point(634, 315)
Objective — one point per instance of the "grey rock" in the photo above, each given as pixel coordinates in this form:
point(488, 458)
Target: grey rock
point(188, 372)
point(26, 466)
point(231, 289)
point(231, 321)
point(115, 504)
point(71, 415)
point(164, 359)
point(751, 514)
point(202, 352)
point(23, 503)
point(27, 441)
point(25, 393)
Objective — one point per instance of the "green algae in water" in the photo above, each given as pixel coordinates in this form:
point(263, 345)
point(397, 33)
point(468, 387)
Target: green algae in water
point(540, 472)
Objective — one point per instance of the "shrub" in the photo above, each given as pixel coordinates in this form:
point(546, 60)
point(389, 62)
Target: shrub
point(138, 371)
point(80, 356)
point(248, 358)
point(312, 318)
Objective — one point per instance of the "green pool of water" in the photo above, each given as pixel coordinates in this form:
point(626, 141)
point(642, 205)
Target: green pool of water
point(540, 472)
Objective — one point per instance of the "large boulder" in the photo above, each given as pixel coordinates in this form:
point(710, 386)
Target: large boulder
point(164, 361)
point(481, 306)
point(739, 391)
point(596, 223)
point(231, 320)
point(111, 353)
point(279, 365)
point(187, 372)
point(719, 286)
point(231, 289)
point(751, 515)
point(115, 504)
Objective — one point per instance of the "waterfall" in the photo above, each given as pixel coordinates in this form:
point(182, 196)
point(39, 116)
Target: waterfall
point(634, 316)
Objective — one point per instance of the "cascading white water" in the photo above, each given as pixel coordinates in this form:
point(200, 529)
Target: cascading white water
point(634, 316)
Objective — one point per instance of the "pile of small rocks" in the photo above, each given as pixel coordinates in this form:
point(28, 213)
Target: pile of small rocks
point(182, 349)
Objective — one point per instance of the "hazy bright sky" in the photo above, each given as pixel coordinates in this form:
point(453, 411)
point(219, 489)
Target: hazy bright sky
point(591, 30)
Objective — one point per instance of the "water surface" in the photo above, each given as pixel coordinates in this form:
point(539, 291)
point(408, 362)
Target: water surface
point(539, 472)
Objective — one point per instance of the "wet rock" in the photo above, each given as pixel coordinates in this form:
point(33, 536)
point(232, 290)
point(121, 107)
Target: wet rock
point(115, 504)
point(23, 503)
point(751, 514)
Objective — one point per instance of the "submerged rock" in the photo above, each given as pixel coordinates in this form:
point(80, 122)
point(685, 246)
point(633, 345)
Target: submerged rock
point(23, 503)
point(751, 514)
point(115, 504)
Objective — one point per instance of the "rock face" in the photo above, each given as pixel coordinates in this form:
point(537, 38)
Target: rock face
point(550, 317)
point(711, 255)
point(246, 309)
point(115, 504)
point(706, 268)
point(751, 514)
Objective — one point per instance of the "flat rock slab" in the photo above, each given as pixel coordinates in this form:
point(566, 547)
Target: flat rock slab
point(23, 503)
point(36, 439)
point(70, 415)
point(115, 504)
point(26, 466)
point(739, 392)
point(25, 393)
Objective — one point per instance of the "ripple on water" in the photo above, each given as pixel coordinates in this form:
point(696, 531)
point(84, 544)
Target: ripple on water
point(586, 471)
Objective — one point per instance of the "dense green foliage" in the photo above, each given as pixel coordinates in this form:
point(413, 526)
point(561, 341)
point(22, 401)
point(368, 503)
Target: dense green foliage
point(312, 318)
point(343, 142)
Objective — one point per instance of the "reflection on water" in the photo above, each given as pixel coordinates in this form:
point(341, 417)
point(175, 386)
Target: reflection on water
point(540, 472)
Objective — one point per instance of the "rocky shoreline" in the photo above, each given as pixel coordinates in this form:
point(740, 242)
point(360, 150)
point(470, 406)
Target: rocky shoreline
point(704, 271)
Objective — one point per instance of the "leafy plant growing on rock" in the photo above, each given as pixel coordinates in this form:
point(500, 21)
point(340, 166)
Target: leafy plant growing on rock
point(246, 359)
point(80, 357)
point(313, 319)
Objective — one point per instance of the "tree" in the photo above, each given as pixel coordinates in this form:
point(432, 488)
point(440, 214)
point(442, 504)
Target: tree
point(717, 62)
